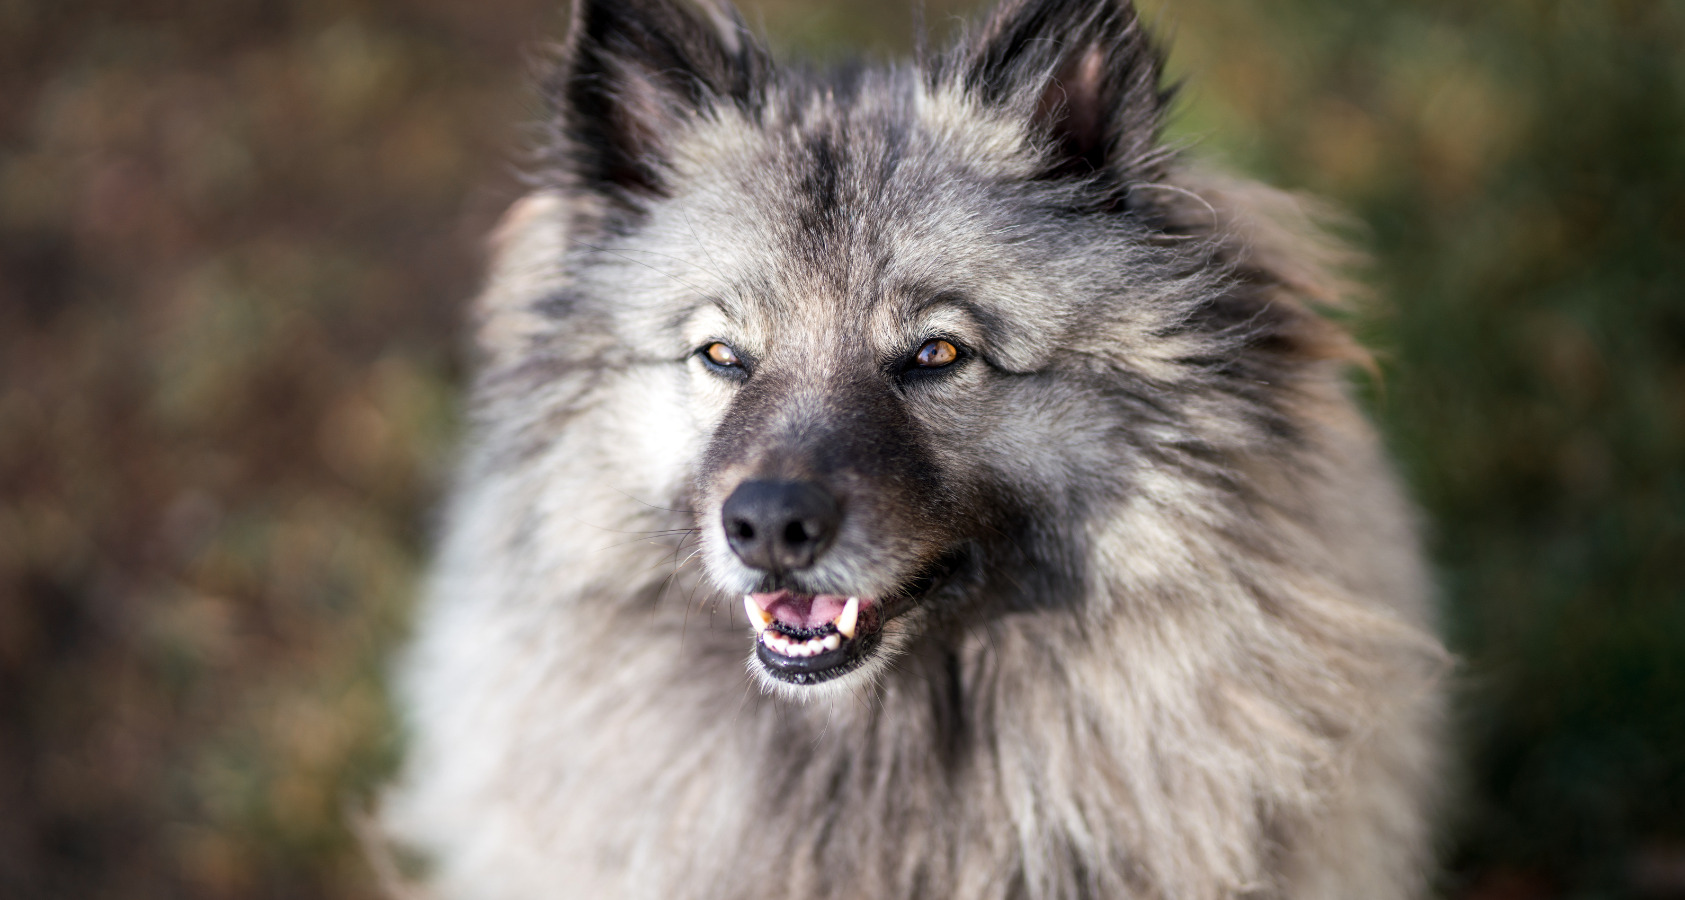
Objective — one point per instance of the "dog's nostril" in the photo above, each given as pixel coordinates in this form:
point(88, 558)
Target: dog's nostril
point(795, 533)
point(745, 530)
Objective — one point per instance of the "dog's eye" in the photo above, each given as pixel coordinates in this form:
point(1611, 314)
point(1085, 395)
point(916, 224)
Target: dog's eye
point(937, 353)
point(723, 360)
point(721, 355)
point(936, 358)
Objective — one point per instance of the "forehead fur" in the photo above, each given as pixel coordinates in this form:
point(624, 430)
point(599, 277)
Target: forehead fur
point(884, 190)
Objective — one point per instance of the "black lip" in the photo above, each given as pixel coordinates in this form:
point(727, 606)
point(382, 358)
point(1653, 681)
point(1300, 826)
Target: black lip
point(854, 652)
point(815, 669)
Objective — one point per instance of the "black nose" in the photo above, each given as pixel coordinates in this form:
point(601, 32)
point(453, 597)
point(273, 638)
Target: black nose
point(779, 526)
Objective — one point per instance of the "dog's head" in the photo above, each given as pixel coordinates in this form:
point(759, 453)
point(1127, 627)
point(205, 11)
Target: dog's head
point(917, 329)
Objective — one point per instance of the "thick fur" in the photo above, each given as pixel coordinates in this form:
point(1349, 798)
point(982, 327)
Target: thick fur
point(1185, 652)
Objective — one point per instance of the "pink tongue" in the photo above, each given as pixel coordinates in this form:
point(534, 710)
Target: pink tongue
point(801, 610)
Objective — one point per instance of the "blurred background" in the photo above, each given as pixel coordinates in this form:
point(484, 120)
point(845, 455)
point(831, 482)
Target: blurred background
point(236, 238)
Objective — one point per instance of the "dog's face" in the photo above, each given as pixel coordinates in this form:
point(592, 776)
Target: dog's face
point(872, 384)
point(925, 323)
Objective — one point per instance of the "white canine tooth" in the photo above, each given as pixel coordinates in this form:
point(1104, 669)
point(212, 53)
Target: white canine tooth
point(849, 618)
point(758, 617)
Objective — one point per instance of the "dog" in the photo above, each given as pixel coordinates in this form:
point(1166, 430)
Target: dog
point(912, 481)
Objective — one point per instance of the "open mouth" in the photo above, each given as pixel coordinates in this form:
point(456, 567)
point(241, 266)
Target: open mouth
point(810, 638)
point(813, 638)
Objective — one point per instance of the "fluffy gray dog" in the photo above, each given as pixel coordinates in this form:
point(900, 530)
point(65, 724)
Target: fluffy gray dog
point(912, 482)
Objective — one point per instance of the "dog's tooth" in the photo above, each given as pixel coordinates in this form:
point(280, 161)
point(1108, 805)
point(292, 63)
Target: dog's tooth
point(832, 641)
point(758, 617)
point(849, 618)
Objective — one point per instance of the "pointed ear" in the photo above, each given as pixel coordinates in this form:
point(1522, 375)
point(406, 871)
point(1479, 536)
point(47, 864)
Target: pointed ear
point(1085, 73)
point(633, 74)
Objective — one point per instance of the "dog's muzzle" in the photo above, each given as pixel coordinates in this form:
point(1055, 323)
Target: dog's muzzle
point(780, 528)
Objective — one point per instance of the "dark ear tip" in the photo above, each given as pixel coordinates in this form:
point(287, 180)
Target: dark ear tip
point(1087, 73)
point(633, 72)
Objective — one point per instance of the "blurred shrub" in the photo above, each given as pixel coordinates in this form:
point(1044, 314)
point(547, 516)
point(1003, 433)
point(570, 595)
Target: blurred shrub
point(234, 238)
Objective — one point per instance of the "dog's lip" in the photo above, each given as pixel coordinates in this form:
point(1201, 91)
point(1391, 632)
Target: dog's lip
point(827, 655)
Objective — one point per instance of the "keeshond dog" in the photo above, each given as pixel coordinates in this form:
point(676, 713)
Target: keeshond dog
point(906, 482)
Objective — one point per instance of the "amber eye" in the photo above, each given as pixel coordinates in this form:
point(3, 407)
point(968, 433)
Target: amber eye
point(721, 355)
point(936, 354)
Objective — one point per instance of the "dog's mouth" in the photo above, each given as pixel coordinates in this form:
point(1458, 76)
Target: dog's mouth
point(813, 638)
point(810, 638)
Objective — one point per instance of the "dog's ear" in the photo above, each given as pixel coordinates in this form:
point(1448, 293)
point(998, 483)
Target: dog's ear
point(1084, 72)
point(635, 72)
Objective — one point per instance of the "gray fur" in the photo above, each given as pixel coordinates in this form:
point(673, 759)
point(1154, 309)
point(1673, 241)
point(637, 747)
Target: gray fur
point(1186, 651)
